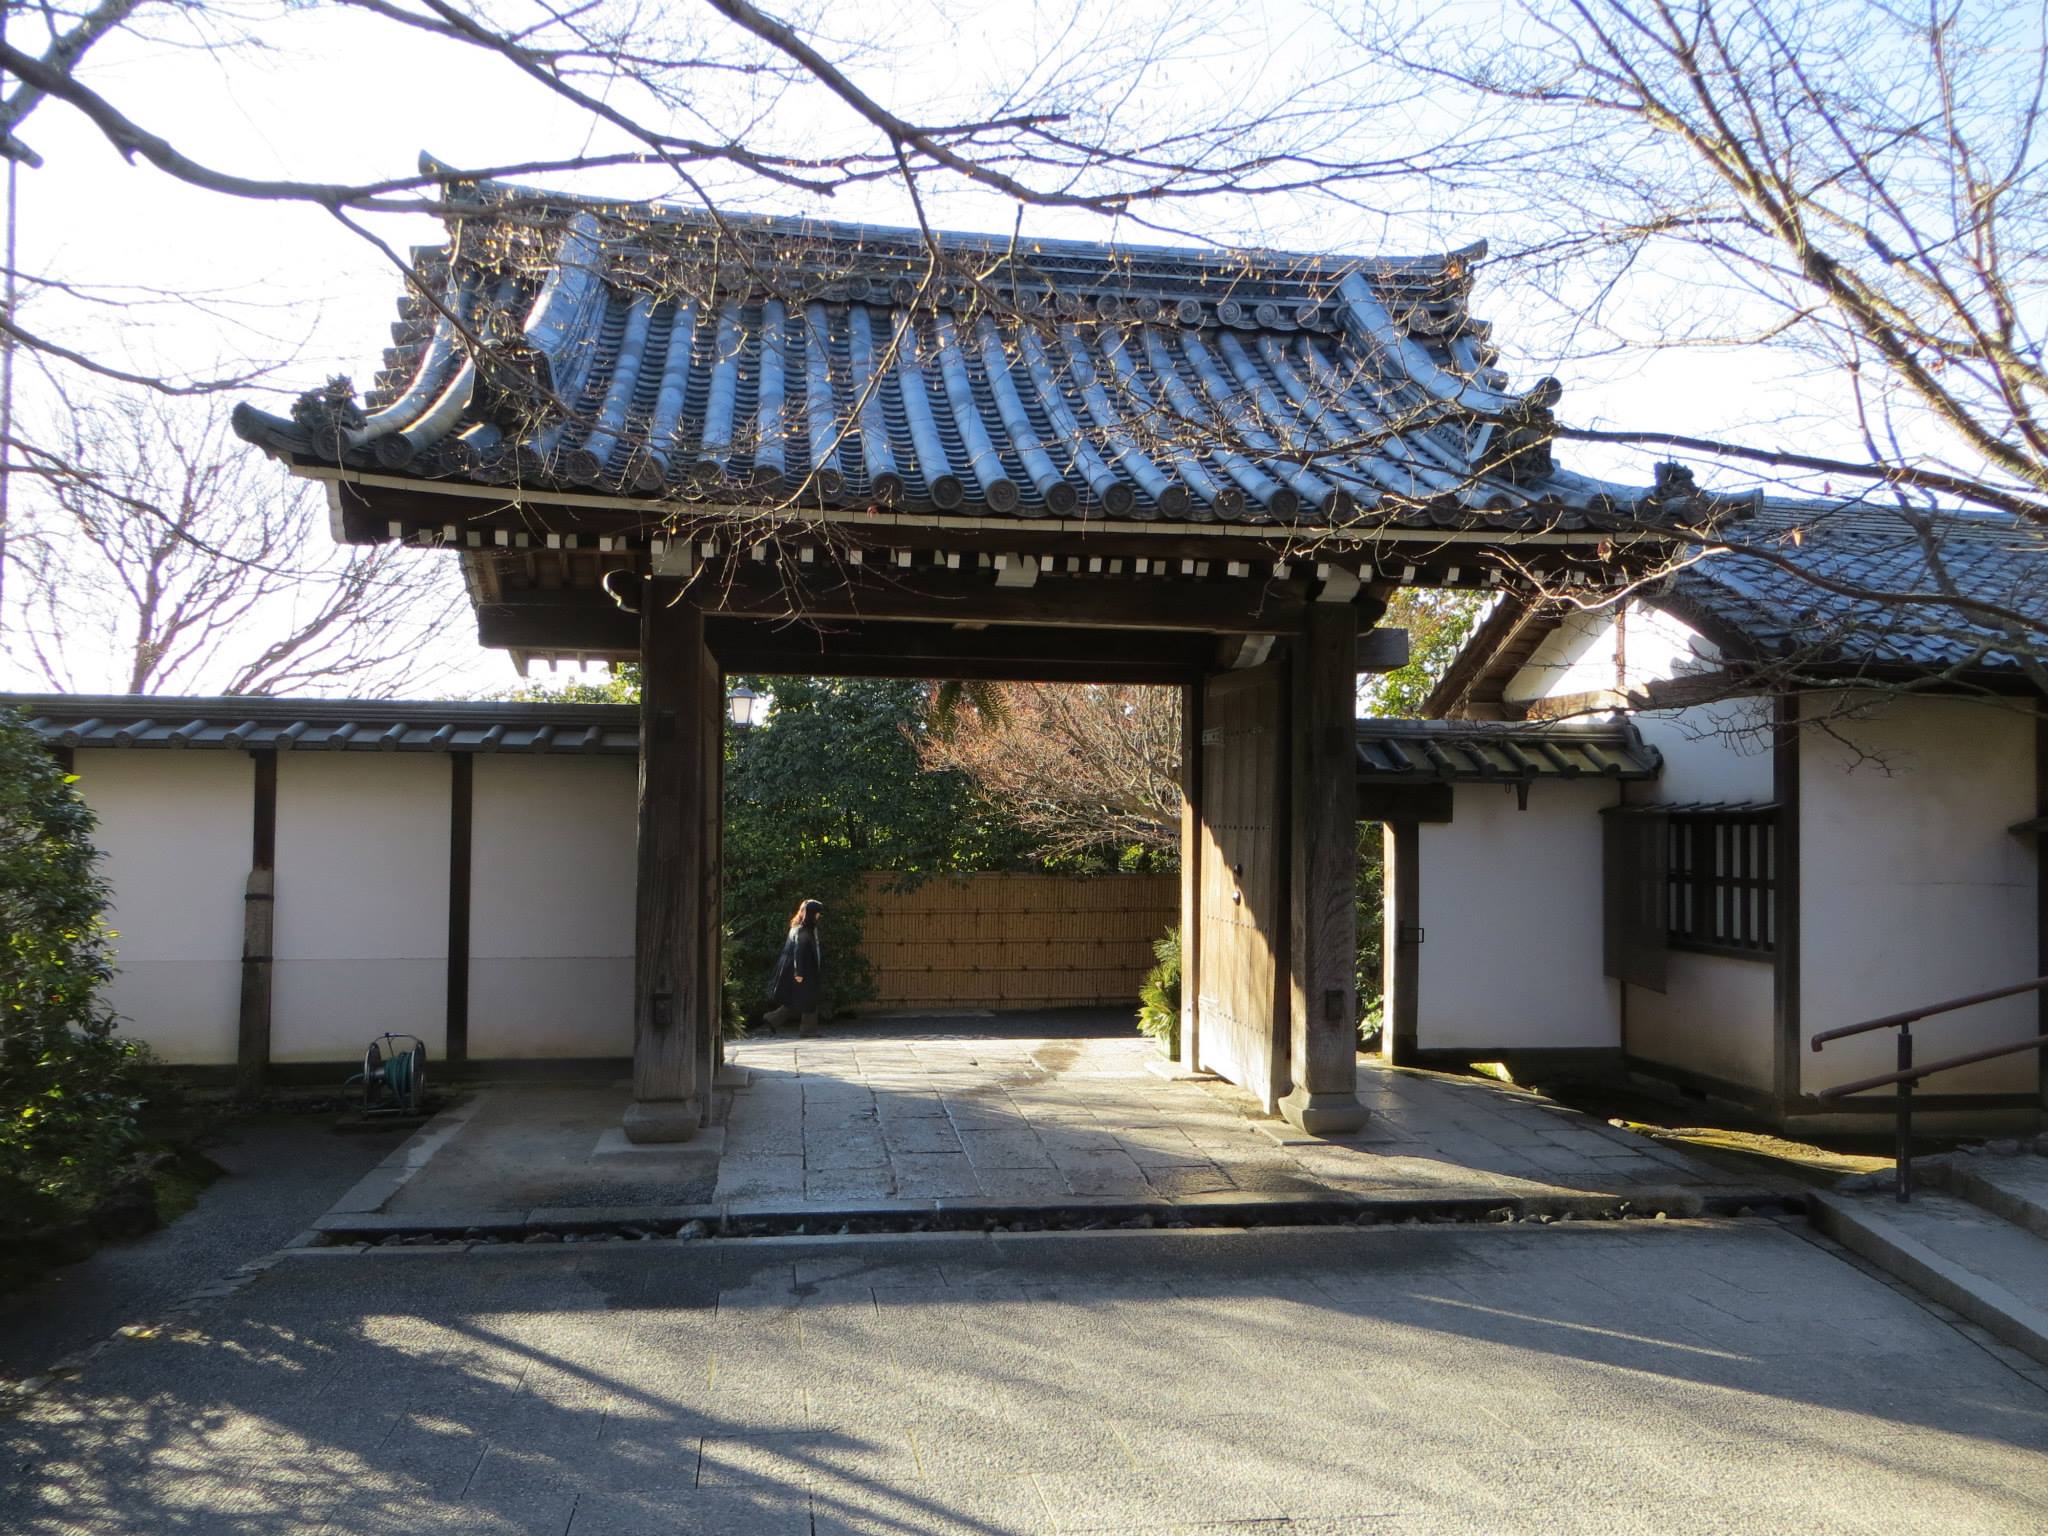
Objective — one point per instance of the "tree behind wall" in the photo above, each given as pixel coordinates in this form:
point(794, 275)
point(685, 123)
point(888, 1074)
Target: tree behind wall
point(1090, 771)
point(827, 790)
point(157, 554)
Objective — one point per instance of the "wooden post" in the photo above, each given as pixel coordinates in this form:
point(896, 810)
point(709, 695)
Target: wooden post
point(1190, 1055)
point(1401, 877)
point(710, 867)
point(668, 992)
point(461, 815)
point(2041, 885)
point(259, 908)
point(1785, 956)
point(1322, 902)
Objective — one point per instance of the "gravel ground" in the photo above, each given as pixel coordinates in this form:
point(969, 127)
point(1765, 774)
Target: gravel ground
point(282, 1172)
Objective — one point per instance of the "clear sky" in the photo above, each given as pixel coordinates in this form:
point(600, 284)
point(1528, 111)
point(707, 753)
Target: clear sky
point(347, 96)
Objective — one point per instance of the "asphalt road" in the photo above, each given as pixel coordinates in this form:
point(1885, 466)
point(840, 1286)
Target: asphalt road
point(282, 1171)
point(1676, 1378)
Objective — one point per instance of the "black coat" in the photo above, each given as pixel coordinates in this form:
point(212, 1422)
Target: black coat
point(801, 957)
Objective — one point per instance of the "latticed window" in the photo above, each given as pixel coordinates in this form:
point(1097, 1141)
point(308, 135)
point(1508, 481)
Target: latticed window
point(1721, 880)
point(1694, 877)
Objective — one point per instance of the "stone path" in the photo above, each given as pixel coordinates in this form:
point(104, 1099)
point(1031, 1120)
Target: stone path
point(1626, 1379)
point(880, 1117)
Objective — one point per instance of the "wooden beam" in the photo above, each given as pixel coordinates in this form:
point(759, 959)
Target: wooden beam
point(570, 619)
point(368, 513)
point(668, 997)
point(461, 816)
point(1405, 802)
point(1382, 649)
point(1322, 902)
point(883, 649)
point(586, 622)
point(952, 597)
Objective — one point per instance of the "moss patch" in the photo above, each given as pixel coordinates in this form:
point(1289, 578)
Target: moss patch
point(180, 1181)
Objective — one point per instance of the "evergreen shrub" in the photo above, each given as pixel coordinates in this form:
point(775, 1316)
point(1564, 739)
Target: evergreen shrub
point(71, 1089)
point(1159, 994)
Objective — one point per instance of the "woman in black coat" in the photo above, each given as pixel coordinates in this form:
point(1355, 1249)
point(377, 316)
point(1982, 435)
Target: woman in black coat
point(799, 986)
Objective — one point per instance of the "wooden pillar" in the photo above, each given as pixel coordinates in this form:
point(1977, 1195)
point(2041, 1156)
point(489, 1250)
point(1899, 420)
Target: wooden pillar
point(259, 907)
point(461, 802)
point(2041, 886)
point(710, 867)
point(1785, 957)
point(1190, 1054)
point(668, 990)
point(1401, 877)
point(1322, 901)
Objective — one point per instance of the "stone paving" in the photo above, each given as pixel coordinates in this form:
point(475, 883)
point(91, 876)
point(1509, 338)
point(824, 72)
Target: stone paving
point(880, 1116)
point(1629, 1379)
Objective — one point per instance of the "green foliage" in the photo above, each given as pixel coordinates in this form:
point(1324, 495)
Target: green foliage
point(829, 788)
point(621, 685)
point(1371, 932)
point(1159, 994)
point(1437, 622)
point(70, 1088)
point(951, 699)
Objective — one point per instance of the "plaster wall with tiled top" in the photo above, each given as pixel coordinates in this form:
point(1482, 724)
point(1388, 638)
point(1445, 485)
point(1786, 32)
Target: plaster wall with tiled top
point(551, 916)
point(362, 903)
point(362, 900)
point(174, 834)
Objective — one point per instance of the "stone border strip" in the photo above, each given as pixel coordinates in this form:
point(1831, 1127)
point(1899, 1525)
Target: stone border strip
point(1991, 1306)
point(375, 1188)
point(744, 1220)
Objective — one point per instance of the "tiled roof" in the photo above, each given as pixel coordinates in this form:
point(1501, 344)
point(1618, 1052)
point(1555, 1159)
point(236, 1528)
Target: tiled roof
point(1808, 580)
point(1779, 610)
point(325, 725)
point(643, 351)
point(1482, 751)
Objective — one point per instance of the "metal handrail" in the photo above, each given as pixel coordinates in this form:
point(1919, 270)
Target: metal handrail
point(1914, 1015)
point(1908, 1074)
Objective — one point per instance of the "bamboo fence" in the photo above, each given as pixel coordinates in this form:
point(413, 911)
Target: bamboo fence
point(1016, 940)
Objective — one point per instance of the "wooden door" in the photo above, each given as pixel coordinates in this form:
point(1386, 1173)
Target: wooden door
point(1243, 1018)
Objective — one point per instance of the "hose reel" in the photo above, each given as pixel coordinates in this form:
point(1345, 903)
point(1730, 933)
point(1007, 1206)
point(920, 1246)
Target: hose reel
point(394, 1075)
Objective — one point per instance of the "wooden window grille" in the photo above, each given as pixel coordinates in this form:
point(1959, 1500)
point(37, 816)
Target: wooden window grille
point(1720, 874)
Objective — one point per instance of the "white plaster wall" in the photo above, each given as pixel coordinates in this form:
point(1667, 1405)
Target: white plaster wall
point(1712, 752)
point(1913, 889)
point(1579, 656)
point(1575, 657)
point(551, 907)
point(1510, 906)
point(174, 831)
point(362, 902)
point(1715, 1017)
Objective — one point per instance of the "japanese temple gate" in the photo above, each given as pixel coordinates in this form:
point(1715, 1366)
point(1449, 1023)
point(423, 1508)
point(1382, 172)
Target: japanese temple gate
point(784, 447)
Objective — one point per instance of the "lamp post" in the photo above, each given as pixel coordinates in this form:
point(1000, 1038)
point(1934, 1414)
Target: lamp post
point(743, 705)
